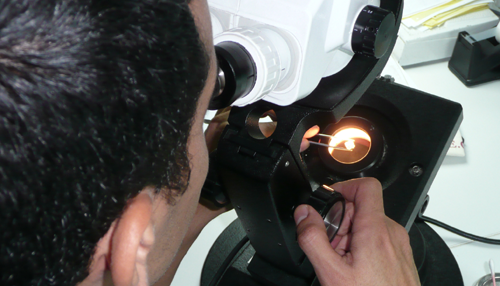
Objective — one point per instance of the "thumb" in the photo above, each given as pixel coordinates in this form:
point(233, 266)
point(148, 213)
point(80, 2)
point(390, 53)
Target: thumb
point(312, 238)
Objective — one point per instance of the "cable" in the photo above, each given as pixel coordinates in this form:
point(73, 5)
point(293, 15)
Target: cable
point(459, 232)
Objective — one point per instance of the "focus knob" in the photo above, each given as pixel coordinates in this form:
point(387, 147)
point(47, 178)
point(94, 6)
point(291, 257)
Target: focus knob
point(373, 31)
point(331, 206)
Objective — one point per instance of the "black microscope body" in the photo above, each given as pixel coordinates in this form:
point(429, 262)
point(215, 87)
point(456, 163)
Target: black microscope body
point(266, 177)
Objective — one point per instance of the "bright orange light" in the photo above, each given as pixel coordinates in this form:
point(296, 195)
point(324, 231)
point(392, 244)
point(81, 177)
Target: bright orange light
point(357, 144)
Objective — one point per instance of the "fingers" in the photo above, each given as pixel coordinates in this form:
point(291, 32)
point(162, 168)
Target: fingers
point(341, 241)
point(368, 218)
point(329, 266)
point(213, 133)
point(311, 132)
point(343, 244)
point(304, 145)
point(345, 226)
point(365, 193)
point(224, 110)
point(369, 248)
point(314, 242)
point(215, 128)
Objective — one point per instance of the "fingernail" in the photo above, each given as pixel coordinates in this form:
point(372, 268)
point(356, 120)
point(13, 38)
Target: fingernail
point(301, 212)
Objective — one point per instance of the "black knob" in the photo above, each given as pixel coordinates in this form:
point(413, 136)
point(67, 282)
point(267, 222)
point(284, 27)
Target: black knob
point(373, 31)
point(213, 191)
point(331, 206)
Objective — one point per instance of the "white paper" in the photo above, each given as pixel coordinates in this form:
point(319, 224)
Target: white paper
point(412, 23)
point(412, 7)
point(457, 146)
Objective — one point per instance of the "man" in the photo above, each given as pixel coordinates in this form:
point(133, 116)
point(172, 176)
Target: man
point(102, 153)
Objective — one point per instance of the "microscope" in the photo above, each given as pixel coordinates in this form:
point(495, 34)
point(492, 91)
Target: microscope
point(306, 63)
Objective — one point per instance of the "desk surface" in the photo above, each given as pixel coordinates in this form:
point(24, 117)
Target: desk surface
point(465, 192)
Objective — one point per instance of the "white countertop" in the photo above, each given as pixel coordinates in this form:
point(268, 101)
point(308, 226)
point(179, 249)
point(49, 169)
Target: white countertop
point(465, 192)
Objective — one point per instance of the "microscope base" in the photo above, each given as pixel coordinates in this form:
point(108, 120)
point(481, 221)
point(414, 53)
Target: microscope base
point(228, 260)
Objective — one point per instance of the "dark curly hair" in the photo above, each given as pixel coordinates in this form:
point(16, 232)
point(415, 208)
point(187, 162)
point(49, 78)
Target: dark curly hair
point(96, 103)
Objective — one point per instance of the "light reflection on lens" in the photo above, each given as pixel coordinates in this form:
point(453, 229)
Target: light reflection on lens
point(355, 140)
point(333, 219)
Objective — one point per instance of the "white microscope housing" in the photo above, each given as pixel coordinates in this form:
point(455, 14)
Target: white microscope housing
point(295, 43)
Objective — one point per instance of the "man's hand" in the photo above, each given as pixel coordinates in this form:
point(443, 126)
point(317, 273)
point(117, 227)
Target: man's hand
point(215, 128)
point(369, 249)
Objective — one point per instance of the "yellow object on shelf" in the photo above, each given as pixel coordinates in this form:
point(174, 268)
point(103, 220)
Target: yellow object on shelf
point(443, 12)
point(442, 18)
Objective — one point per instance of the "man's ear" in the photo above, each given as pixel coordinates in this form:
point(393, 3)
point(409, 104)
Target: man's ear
point(131, 241)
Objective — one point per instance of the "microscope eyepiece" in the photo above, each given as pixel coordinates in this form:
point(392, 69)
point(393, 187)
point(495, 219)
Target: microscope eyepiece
point(236, 76)
point(255, 62)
